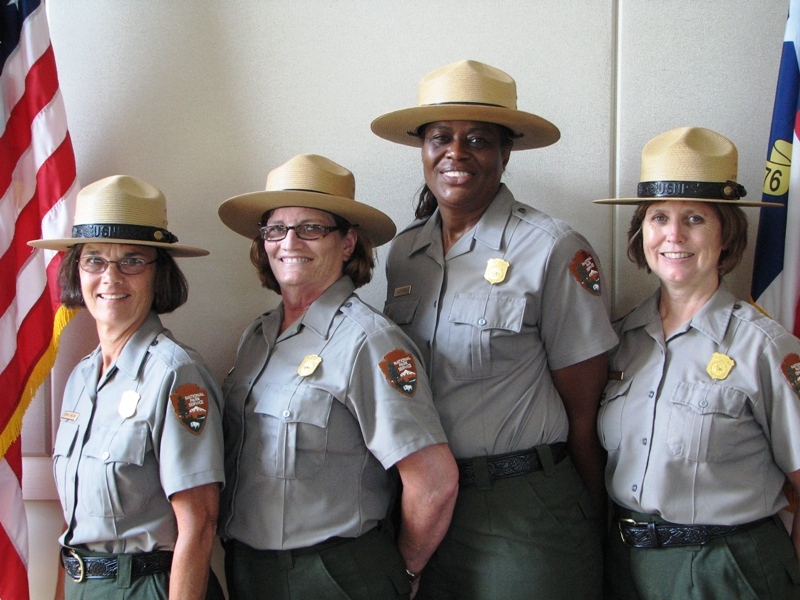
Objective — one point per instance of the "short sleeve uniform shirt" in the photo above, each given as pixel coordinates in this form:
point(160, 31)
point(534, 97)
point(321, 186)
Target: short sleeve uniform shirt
point(516, 297)
point(314, 417)
point(701, 427)
point(149, 427)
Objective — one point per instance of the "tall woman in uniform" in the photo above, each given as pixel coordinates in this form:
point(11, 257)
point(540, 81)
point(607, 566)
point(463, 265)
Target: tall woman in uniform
point(506, 305)
point(326, 396)
point(701, 414)
point(138, 454)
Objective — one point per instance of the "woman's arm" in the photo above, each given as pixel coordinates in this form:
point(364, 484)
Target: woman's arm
point(430, 486)
point(580, 386)
point(196, 512)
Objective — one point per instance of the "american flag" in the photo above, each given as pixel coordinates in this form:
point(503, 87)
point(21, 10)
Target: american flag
point(38, 188)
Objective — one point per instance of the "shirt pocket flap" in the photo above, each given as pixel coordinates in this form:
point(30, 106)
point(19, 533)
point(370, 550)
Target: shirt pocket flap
point(492, 312)
point(296, 405)
point(65, 439)
point(710, 399)
point(127, 445)
point(614, 389)
point(401, 311)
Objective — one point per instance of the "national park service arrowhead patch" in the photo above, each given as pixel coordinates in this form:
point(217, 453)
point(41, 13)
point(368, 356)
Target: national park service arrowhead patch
point(190, 403)
point(400, 371)
point(585, 271)
point(791, 370)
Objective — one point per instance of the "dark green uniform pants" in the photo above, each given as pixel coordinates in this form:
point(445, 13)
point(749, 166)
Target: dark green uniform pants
point(758, 563)
point(365, 568)
point(530, 536)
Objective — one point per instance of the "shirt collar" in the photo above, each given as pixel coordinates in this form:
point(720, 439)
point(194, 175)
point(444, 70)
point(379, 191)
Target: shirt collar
point(489, 230)
point(319, 316)
point(711, 320)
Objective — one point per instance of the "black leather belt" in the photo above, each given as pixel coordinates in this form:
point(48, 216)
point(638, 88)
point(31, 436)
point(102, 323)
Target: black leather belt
point(639, 534)
point(511, 464)
point(80, 567)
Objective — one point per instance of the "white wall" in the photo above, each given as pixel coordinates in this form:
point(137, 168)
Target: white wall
point(203, 98)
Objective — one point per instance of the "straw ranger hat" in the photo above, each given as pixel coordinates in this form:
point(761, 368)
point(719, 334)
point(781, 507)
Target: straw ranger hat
point(121, 210)
point(310, 181)
point(467, 91)
point(689, 164)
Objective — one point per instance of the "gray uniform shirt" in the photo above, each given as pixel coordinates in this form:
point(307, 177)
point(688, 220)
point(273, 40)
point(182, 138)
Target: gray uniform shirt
point(314, 417)
point(690, 447)
point(150, 427)
point(489, 346)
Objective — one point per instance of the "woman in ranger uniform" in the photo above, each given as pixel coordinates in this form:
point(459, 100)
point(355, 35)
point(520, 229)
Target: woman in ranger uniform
point(326, 396)
point(506, 305)
point(701, 414)
point(138, 454)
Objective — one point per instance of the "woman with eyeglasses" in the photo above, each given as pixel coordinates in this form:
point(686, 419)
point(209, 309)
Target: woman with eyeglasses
point(325, 398)
point(138, 455)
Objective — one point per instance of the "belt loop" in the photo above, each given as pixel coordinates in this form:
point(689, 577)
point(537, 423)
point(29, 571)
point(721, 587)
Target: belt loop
point(285, 560)
point(480, 466)
point(546, 458)
point(124, 568)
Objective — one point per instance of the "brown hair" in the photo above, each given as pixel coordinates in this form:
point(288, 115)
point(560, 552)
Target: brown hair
point(170, 288)
point(358, 267)
point(734, 236)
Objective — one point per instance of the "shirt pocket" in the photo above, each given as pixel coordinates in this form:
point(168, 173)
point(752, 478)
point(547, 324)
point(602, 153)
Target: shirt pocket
point(114, 478)
point(704, 422)
point(609, 419)
point(62, 451)
point(482, 332)
point(294, 431)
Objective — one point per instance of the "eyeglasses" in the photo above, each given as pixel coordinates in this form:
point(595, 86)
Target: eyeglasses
point(127, 266)
point(304, 231)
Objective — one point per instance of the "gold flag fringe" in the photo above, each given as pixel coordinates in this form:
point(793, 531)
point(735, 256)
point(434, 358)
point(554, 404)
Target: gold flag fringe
point(40, 372)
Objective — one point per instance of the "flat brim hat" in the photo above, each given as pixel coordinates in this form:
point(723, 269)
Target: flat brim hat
point(121, 210)
point(309, 181)
point(467, 91)
point(692, 164)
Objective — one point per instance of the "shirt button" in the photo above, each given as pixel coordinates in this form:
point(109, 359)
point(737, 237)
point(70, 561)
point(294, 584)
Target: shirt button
point(105, 455)
point(651, 394)
point(703, 403)
point(481, 322)
point(644, 441)
point(436, 303)
point(348, 304)
point(287, 414)
point(634, 487)
point(155, 343)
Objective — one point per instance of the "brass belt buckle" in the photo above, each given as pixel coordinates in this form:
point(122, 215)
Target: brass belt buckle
point(81, 567)
point(627, 522)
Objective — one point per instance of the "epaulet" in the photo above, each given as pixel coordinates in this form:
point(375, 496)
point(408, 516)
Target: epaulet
point(168, 350)
point(537, 218)
point(366, 317)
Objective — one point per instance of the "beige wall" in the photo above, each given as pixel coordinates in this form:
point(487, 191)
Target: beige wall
point(203, 98)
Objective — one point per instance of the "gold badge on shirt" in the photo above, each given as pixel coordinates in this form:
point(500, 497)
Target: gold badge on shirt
point(496, 269)
point(309, 365)
point(719, 366)
point(128, 404)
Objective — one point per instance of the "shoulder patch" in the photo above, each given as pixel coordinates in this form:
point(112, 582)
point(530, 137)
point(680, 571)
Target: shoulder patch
point(400, 371)
point(585, 271)
point(190, 403)
point(790, 367)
